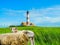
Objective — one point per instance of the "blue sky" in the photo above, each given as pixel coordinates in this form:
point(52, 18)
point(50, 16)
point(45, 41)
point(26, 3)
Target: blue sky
point(42, 12)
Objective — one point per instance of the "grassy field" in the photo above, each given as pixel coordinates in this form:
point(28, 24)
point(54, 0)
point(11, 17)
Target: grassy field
point(43, 35)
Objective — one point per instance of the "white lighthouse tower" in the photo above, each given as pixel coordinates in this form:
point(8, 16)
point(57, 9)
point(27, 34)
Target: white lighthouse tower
point(28, 19)
point(27, 23)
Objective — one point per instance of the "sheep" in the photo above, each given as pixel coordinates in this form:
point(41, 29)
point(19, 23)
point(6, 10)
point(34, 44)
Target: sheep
point(14, 29)
point(27, 32)
point(14, 39)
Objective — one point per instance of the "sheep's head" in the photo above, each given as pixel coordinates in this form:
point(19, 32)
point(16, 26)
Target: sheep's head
point(29, 33)
point(14, 29)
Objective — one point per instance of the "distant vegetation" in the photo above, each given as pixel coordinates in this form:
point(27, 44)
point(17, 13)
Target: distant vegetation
point(43, 35)
point(22, 24)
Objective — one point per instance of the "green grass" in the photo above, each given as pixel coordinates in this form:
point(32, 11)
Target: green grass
point(43, 35)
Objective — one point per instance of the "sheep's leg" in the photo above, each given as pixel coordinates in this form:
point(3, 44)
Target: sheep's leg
point(32, 40)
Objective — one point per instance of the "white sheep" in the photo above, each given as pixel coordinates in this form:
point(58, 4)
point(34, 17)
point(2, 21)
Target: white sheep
point(27, 32)
point(14, 39)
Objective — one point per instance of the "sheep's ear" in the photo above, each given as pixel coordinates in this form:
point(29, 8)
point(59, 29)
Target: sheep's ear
point(15, 27)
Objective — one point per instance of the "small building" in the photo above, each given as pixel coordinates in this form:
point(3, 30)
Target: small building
point(25, 24)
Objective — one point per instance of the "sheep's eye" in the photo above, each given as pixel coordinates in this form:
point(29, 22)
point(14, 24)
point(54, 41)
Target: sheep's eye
point(26, 32)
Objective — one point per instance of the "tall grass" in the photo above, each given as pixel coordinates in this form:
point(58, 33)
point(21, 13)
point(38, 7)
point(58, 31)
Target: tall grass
point(43, 35)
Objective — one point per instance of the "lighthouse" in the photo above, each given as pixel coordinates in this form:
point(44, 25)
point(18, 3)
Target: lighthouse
point(27, 18)
point(27, 23)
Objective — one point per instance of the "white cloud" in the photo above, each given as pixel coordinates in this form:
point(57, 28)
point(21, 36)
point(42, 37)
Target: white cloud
point(52, 19)
point(46, 15)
